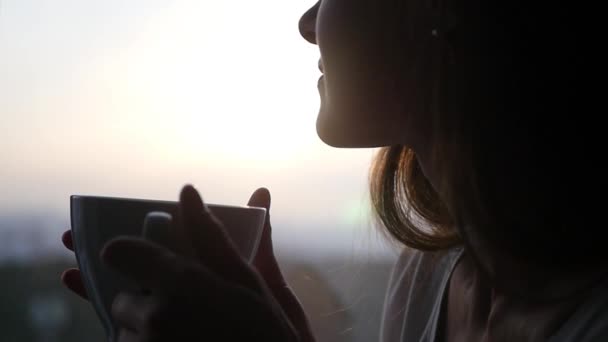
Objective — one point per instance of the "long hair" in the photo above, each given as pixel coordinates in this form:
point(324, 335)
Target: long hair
point(512, 94)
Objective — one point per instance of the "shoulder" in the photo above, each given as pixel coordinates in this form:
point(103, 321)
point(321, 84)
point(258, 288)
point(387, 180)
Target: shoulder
point(590, 321)
point(415, 291)
point(414, 266)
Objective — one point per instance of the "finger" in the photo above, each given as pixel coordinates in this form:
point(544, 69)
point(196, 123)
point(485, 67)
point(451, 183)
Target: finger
point(150, 265)
point(265, 261)
point(183, 243)
point(212, 245)
point(260, 198)
point(157, 269)
point(72, 280)
point(129, 311)
point(292, 307)
point(268, 267)
point(67, 240)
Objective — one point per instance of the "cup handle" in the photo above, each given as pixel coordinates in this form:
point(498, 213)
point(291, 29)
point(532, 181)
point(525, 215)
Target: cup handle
point(157, 225)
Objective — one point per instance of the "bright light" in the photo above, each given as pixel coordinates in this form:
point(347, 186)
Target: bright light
point(195, 83)
point(135, 98)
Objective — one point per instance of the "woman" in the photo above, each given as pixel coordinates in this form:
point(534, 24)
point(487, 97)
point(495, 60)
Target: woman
point(482, 179)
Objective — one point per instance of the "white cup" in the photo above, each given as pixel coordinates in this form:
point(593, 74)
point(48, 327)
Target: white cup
point(97, 220)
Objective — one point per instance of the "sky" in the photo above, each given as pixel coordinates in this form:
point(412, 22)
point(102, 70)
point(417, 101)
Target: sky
point(136, 98)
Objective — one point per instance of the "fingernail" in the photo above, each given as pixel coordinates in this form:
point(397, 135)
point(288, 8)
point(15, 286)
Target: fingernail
point(192, 198)
point(260, 198)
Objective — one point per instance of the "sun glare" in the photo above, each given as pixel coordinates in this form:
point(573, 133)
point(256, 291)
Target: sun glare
point(197, 84)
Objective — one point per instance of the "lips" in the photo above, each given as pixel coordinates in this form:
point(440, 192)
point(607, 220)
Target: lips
point(320, 65)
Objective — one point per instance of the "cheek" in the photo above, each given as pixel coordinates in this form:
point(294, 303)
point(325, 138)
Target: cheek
point(351, 51)
point(358, 112)
point(361, 95)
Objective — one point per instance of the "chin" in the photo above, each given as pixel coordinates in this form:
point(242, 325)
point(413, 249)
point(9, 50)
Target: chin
point(338, 129)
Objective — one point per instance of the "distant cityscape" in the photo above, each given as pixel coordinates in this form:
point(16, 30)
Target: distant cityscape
point(27, 237)
point(341, 282)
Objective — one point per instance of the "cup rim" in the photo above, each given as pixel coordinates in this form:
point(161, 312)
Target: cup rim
point(145, 200)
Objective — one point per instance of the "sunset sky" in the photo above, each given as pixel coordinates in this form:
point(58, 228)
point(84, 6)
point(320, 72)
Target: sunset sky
point(136, 98)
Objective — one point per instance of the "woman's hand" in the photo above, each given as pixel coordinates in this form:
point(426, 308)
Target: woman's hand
point(214, 293)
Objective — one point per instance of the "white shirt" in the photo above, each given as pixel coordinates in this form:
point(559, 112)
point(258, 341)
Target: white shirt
point(418, 285)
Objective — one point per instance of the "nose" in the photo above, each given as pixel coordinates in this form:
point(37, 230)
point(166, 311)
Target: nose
point(308, 24)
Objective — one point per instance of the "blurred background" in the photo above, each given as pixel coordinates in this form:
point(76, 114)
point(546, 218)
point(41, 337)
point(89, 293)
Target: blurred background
point(136, 98)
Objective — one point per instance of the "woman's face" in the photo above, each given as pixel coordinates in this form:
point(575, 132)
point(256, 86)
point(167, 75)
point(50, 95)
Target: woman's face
point(371, 90)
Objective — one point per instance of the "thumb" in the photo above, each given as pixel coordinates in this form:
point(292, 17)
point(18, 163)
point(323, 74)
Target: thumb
point(210, 243)
point(265, 261)
point(268, 267)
